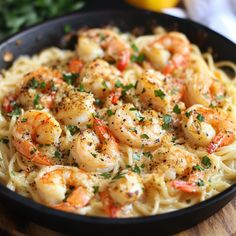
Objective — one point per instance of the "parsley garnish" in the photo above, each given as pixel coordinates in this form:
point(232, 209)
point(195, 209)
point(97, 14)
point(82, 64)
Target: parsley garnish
point(23, 120)
point(43, 85)
point(200, 117)
point(197, 167)
point(176, 109)
point(81, 88)
point(136, 169)
point(206, 162)
point(167, 121)
point(187, 114)
point(73, 129)
point(118, 84)
point(106, 175)
point(95, 189)
point(139, 59)
point(119, 175)
point(200, 182)
point(139, 116)
point(159, 93)
point(104, 84)
point(36, 100)
point(134, 47)
point(136, 156)
point(33, 83)
point(148, 155)
point(144, 136)
point(70, 78)
point(110, 112)
point(58, 154)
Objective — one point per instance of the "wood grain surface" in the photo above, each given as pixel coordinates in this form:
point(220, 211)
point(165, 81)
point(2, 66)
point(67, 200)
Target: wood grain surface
point(223, 223)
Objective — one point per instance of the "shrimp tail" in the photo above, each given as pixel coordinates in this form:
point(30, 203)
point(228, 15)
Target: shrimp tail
point(100, 129)
point(185, 186)
point(108, 204)
point(222, 139)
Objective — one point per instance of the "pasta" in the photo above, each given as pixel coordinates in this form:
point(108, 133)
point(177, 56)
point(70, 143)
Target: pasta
point(123, 126)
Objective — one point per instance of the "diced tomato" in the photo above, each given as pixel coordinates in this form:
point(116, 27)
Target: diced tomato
point(123, 60)
point(7, 103)
point(115, 95)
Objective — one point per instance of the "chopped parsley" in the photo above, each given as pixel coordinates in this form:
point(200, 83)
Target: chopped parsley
point(139, 59)
point(119, 175)
point(200, 117)
point(23, 120)
point(134, 47)
point(144, 136)
point(95, 189)
point(58, 154)
point(33, 83)
point(104, 85)
point(187, 114)
point(98, 102)
point(206, 162)
point(106, 175)
point(132, 109)
point(159, 93)
point(89, 126)
point(148, 155)
point(118, 84)
point(139, 116)
point(200, 182)
point(43, 85)
point(73, 129)
point(136, 169)
point(166, 122)
point(176, 109)
point(36, 100)
point(94, 155)
point(110, 112)
point(70, 78)
point(81, 88)
point(197, 167)
point(16, 111)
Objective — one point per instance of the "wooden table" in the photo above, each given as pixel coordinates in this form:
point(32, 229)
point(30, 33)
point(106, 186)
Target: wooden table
point(223, 223)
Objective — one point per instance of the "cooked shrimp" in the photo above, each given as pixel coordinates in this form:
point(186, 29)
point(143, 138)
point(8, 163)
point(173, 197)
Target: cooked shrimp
point(173, 162)
point(99, 78)
point(159, 92)
point(39, 88)
point(32, 129)
point(125, 190)
point(96, 151)
point(135, 128)
point(64, 188)
point(75, 108)
point(168, 52)
point(94, 43)
point(208, 127)
point(204, 90)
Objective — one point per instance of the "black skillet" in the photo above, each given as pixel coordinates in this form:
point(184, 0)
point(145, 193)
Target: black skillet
point(41, 36)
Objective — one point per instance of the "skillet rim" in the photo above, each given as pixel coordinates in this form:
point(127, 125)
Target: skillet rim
point(32, 205)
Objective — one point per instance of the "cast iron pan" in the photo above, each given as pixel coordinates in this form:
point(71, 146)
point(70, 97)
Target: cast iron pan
point(41, 36)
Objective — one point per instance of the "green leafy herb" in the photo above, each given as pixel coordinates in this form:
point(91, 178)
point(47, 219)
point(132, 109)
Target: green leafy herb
point(95, 189)
point(43, 85)
point(119, 175)
point(139, 116)
point(139, 59)
point(166, 122)
point(81, 88)
point(110, 112)
point(16, 111)
point(197, 167)
point(58, 154)
point(133, 109)
point(176, 109)
point(89, 126)
point(144, 136)
point(134, 47)
point(73, 129)
point(206, 161)
point(200, 117)
point(148, 155)
point(200, 182)
point(118, 84)
point(33, 83)
point(70, 78)
point(23, 120)
point(36, 100)
point(187, 114)
point(104, 84)
point(136, 169)
point(159, 93)
point(106, 175)
point(94, 155)
point(98, 102)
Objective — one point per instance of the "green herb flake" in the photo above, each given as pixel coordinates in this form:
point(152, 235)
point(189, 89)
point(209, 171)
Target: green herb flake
point(187, 114)
point(200, 117)
point(81, 88)
point(58, 154)
point(33, 83)
point(36, 99)
point(139, 117)
point(118, 84)
point(95, 189)
point(104, 84)
point(23, 120)
point(43, 85)
point(70, 78)
point(200, 182)
point(106, 175)
point(110, 112)
point(139, 59)
point(89, 126)
point(206, 161)
point(98, 102)
point(176, 109)
point(134, 47)
point(198, 167)
point(73, 129)
point(133, 109)
point(119, 175)
point(159, 93)
point(166, 122)
point(94, 155)
point(148, 155)
point(144, 136)
point(136, 169)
